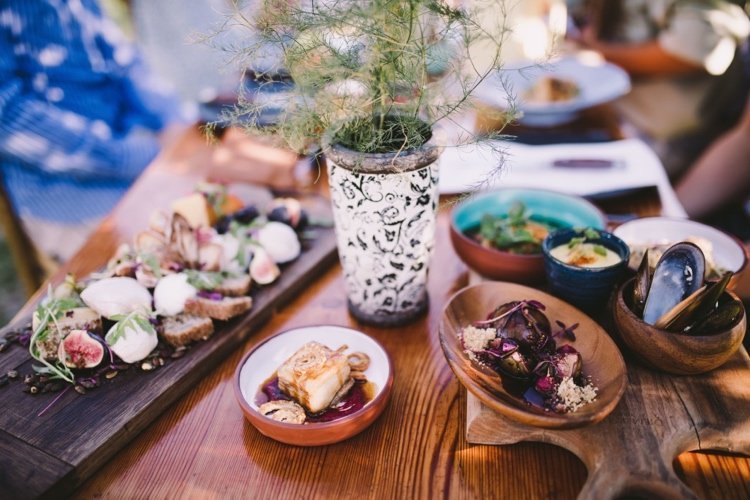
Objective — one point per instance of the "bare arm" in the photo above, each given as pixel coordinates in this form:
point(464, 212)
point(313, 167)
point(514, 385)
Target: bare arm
point(643, 59)
point(721, 175)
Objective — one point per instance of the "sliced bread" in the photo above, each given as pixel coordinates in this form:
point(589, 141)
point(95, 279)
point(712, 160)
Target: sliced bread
point(234, 286)
point(184, 329)
point(223, 309)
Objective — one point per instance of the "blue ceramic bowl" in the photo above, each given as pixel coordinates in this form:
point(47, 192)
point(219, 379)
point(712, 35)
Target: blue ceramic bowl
point(587, 288)
point(560, 209)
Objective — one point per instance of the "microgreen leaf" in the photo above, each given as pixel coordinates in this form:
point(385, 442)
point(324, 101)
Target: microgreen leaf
point(591, 234)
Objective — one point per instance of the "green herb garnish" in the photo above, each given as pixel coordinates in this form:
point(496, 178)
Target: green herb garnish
point(152, 262)
point(599, 249)
point(133, 320)
point(50, 310)
point(513, 232)
point(207, 280)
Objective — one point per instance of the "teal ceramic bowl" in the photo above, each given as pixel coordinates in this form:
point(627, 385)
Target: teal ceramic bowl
point(585, 287)
point(561, 210)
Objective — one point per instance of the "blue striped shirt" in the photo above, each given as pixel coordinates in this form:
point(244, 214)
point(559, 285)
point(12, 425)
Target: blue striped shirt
point(78, 109)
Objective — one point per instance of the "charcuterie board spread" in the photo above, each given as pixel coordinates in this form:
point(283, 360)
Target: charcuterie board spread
point(105, 354)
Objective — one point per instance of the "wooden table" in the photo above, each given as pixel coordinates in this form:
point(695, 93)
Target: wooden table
point(202, 446)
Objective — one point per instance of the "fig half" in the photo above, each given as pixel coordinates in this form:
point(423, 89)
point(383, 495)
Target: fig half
point(80, 350)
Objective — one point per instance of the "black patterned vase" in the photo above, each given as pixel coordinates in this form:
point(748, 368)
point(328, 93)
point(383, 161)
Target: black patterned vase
point(384, 208)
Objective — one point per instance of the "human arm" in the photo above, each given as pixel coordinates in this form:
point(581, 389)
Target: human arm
point(692, 36)
point(644, 59)
point(721, 175)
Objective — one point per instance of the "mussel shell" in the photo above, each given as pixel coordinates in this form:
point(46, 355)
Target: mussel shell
point(695, 307)
point(678, 274)
point(721, 319)
point(642, 285)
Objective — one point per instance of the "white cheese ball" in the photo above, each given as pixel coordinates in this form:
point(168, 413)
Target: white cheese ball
point(280, 241)
point(171, 293)
point(136, 344)
point(112, 296)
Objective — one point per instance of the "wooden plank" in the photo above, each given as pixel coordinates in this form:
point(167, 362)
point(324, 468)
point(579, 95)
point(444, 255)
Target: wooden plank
point(86, 430)
point(26, 472)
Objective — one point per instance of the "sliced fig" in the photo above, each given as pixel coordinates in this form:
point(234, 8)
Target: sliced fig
point(263, 269)
point(80, 350)
point(280, 241)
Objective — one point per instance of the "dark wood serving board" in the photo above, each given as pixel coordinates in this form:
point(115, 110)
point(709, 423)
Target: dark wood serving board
point(660, 416)
point(49, 455)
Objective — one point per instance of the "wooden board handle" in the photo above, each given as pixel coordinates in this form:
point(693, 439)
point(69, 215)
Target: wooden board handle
point(611, 479)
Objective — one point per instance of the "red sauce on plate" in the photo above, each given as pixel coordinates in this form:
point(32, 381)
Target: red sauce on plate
point(361, 393)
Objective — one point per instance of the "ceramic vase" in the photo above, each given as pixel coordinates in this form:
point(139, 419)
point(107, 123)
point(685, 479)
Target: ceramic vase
point(384, 209)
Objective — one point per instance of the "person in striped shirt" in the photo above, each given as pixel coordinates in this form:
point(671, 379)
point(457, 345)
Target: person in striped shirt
point(80, 117)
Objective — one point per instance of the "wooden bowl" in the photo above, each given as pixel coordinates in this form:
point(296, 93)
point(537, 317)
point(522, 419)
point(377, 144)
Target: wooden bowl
point(602, 360)
point(565, 210)
point(260, 364)
point(675, 353)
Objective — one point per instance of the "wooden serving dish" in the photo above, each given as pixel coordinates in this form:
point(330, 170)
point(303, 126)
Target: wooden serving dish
point(50, 454)
point(602, 361)
point(674, 352)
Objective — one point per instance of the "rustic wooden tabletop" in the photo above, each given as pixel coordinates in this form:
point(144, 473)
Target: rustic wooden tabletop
point(202, 446)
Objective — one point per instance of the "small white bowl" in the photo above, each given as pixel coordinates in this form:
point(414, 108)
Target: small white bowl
point(261, 363)
point(728, 252)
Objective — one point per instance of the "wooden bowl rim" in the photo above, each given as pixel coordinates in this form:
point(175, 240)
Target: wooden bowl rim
point(622, 305)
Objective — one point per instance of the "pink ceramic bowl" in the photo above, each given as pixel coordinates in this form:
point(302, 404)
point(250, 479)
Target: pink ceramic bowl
point(261, 363)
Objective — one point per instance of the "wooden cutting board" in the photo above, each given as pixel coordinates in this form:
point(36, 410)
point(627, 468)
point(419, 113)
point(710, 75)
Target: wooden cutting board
point(659, 417)
point(51, 454)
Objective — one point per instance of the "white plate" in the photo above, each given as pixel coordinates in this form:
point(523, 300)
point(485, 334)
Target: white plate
point(598, 82)
point(266, 358)
point(727, 252)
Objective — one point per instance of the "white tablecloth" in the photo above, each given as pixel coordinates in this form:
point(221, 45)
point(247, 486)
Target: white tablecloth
point(465, 168)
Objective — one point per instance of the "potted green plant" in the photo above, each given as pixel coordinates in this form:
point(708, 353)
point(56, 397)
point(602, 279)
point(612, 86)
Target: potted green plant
point(373, 79)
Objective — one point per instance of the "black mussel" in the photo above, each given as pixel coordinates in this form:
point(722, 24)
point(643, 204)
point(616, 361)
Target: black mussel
point(642, 285)
point(722, 318)
point(246, 215)
point(678, 274)
point(694, 308)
